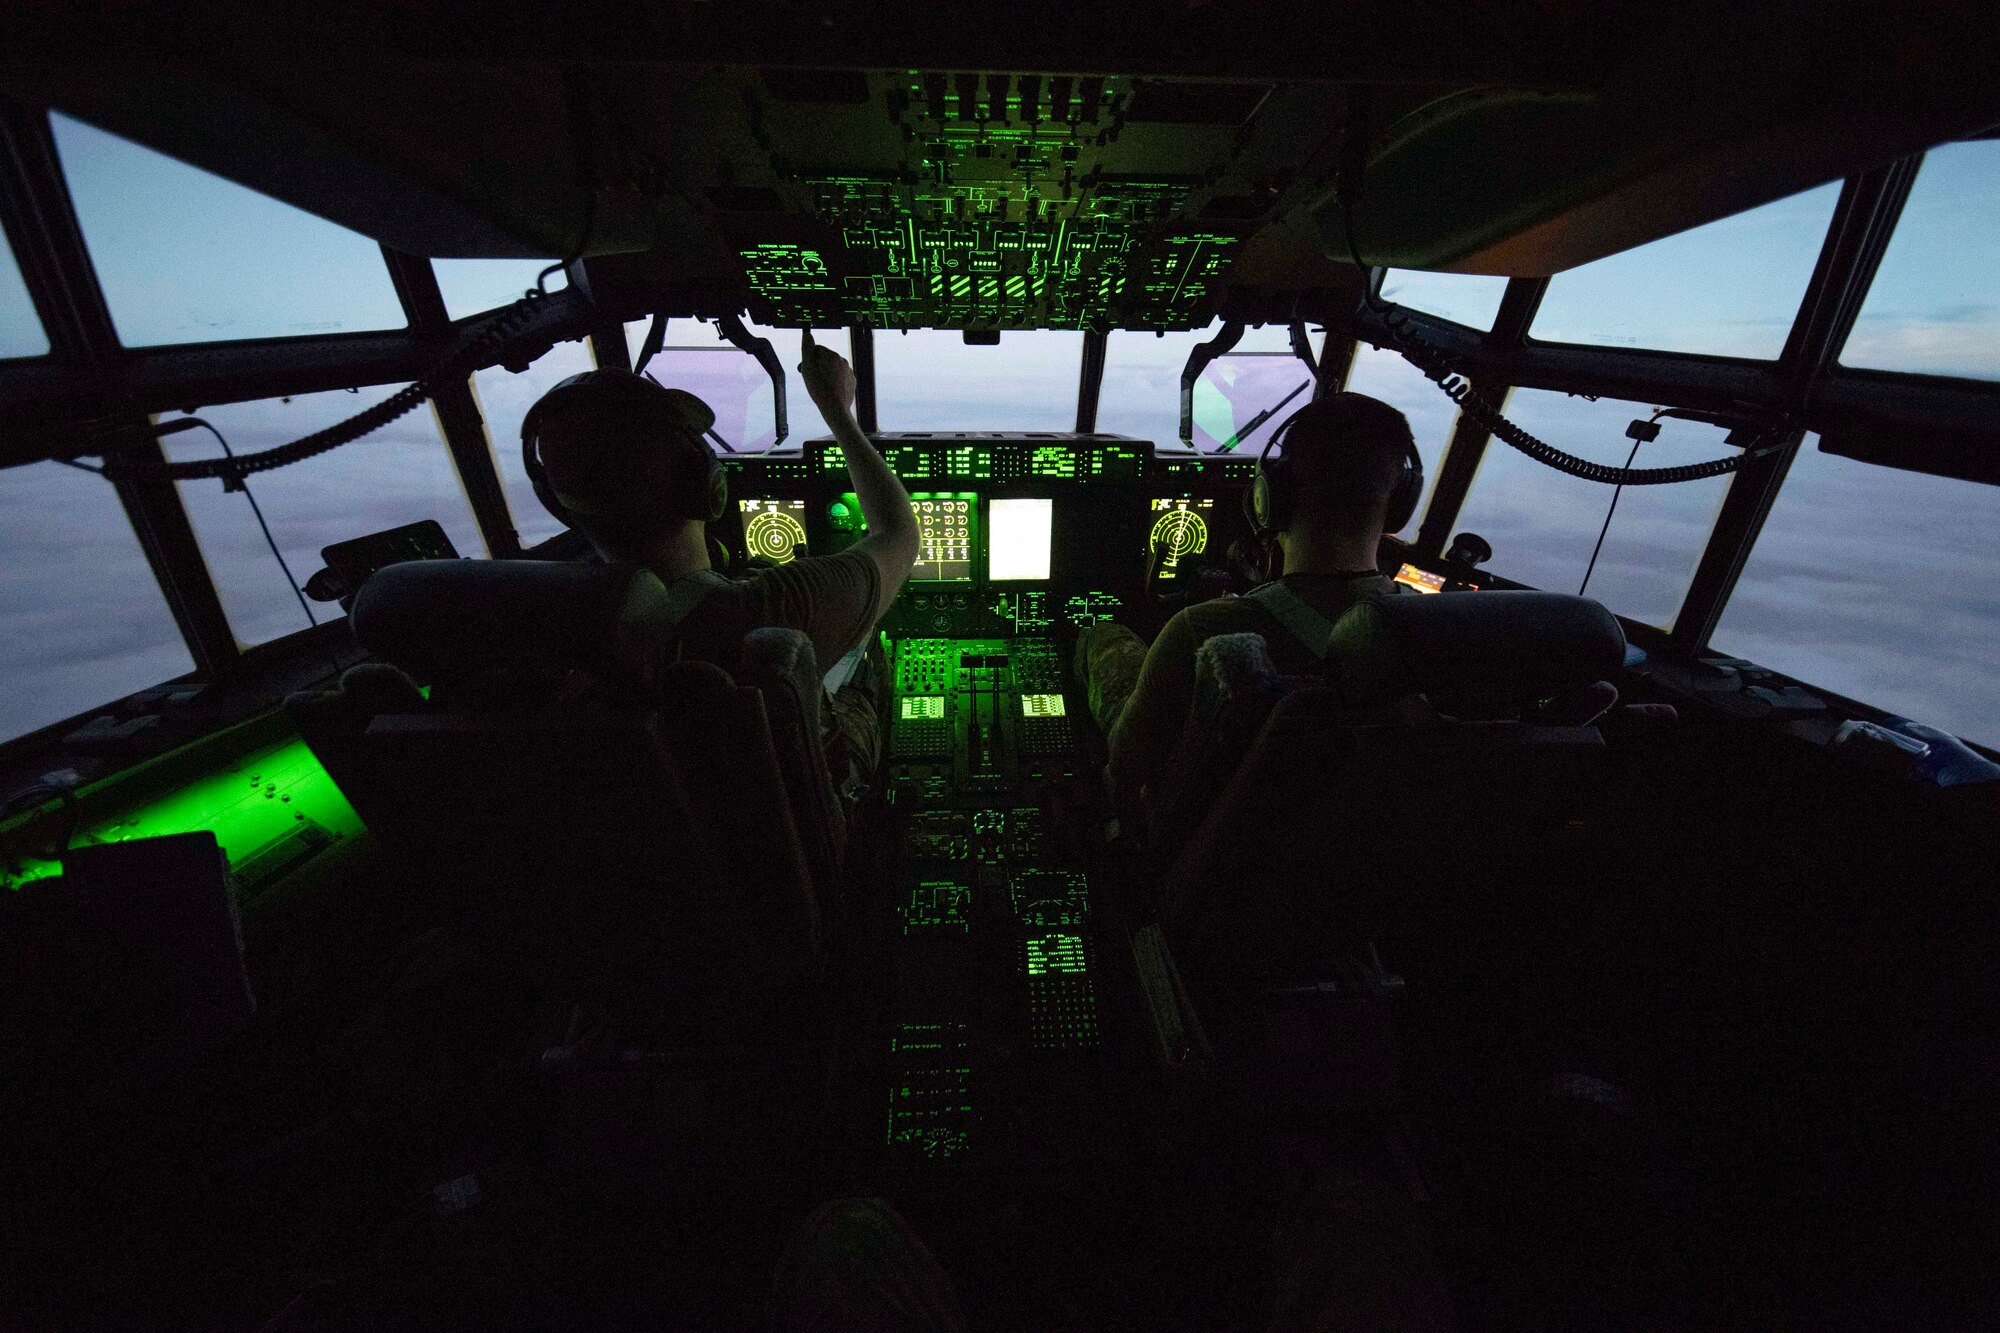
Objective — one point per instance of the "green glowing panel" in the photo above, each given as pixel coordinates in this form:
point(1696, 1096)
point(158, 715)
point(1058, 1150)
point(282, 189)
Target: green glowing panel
point(773, 530)
point(1062, 1003)
point(1044, 900)
point(1027, 611)
point(924, 705)
point(1180, 530)
point(930, 1093)
point(1055, 953)
point(946, 523)
point(1019, 534)
point(1054, 460)
point(1042, 705)
point(844, 514)
point(273, 799)
point(938, 907)
point(1088, 608)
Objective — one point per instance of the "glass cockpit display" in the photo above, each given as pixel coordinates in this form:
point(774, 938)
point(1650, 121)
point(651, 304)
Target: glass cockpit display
point(945, 530)
point(1179, 529)
point(773, 530)
point(1019, 535)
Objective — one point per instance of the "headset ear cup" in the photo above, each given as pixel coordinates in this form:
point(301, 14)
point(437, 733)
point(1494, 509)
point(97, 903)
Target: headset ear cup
point(1409, 490)
point(538, 477)
point(1257, 503)
point(718, 489)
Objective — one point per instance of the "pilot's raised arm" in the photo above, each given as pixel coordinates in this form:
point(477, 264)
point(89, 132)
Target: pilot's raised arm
point(892, 539)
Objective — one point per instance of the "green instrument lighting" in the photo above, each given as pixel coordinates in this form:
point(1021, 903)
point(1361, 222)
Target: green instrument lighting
point(923, 705)
point(938, 907)
point(946, 522)
point(269, 808)
point(1054, 460)
point(1048, 954)
point(773, 530)
point(930, 1096)
point(1180, 529)
point(1042, 705)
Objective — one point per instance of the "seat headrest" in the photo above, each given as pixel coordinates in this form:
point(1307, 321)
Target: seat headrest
point(444, 620)
point(1475, 655)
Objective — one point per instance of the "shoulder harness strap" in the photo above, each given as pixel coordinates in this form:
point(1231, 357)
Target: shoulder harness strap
point(1300, 620)
point(684, 594)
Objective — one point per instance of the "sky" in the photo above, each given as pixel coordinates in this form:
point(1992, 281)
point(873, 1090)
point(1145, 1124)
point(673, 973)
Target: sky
point(1878, 584)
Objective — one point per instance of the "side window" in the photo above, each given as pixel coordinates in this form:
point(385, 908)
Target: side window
point(399, 474)
point(1543, 524)
point(20, 327)
point(474, 286)
point(1729, 288)
point(697, 358)
point(82, 620)
point(1934, 306)
point(186, 257)
point(1471, 299)
point(1880, 585)
point(1386, 375)
point(504, 400)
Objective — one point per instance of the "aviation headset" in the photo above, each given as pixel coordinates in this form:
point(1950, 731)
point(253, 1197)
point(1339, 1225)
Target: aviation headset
point(673, 416)
point(1273, 496)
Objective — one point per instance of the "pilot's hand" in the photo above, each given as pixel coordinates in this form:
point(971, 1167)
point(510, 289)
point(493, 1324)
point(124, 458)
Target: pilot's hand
point(829, 379)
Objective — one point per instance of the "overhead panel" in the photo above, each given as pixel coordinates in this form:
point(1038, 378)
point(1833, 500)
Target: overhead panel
point(991, 200)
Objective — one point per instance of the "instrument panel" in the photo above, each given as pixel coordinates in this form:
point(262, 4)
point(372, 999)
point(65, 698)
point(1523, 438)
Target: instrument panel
point(1022, 534)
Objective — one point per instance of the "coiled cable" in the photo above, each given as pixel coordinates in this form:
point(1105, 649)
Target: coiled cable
point(1439, 367)
point(454, 365)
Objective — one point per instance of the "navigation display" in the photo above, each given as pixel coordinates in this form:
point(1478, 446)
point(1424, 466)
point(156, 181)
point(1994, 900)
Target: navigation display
point(773, 530)
point(945, 526)
point(1019, 534)
point(1178, 530)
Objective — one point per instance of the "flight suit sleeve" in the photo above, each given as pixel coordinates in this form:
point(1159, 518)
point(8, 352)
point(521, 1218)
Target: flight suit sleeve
point(831, 598)
point(1144, 736)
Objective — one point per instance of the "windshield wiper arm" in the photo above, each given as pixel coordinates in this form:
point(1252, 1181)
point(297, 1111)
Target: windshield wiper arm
point(1262, 417)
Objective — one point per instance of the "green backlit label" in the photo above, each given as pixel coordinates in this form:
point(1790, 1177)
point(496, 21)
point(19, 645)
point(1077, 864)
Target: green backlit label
point(1042, 705)
point(923, 706)
point(1055, 953)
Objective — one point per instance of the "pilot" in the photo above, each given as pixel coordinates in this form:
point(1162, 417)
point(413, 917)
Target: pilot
point(623, 460)
point(1345, 457)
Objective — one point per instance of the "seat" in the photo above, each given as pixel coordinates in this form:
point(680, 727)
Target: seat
point(566, 771)
point(1448, 739)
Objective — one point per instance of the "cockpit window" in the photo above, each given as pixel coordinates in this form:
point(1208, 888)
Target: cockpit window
point(1239, 401)
point(1935, 303)
point(504, 399)
point(1543, 524)
point(697, 358)
point(930, 379)
point(20, 328)
point(187, 257)
point(399, 474)
point(1730, 288)
point(474, 286)
point(1471, 299)
point(1386, 375)
point(82, 620)
point(1881, 585)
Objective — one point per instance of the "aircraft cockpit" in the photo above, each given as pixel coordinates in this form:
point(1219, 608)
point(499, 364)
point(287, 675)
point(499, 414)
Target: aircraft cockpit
point(1586, 926)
